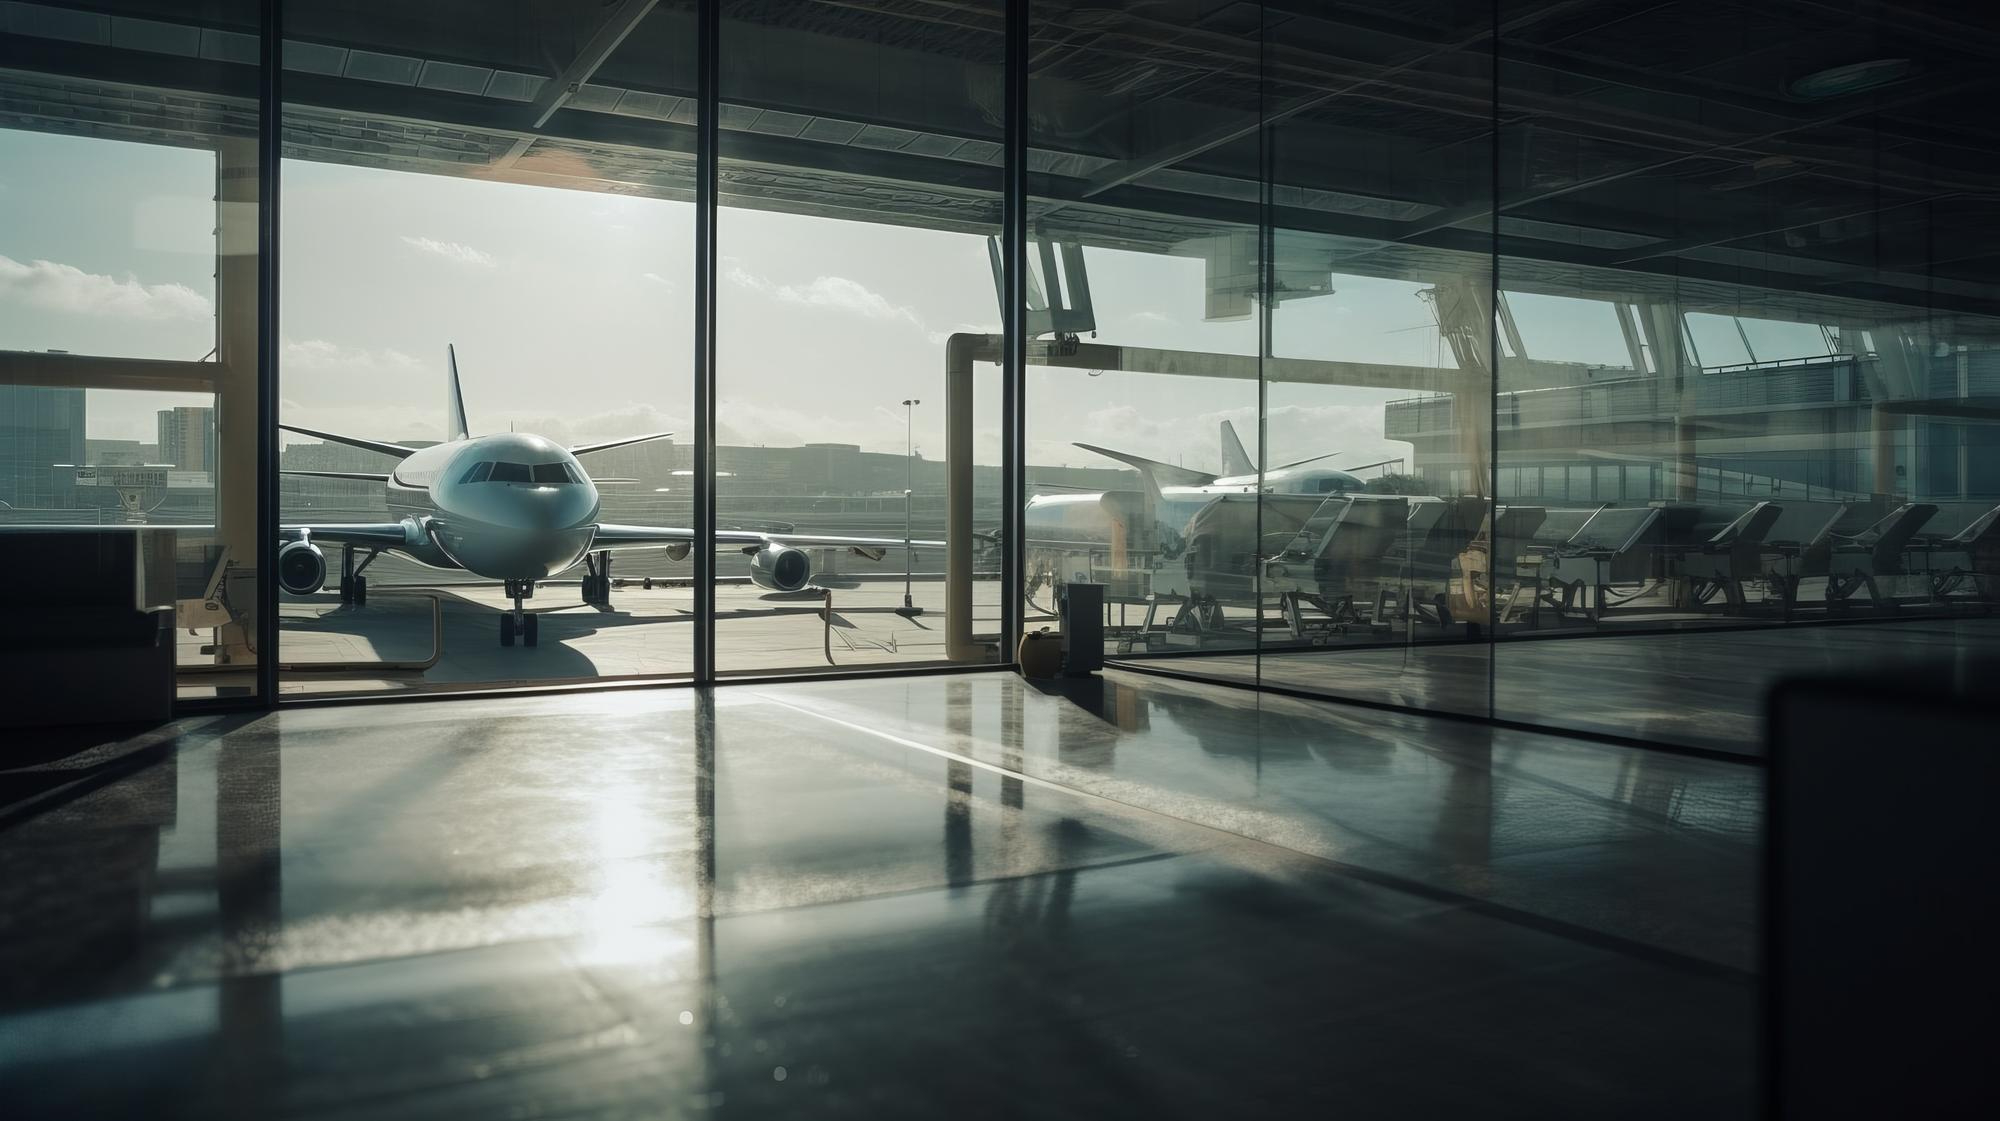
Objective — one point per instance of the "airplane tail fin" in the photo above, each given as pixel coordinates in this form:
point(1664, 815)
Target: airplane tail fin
point(454, 404)
point(1235, 461)
point(1157, 474)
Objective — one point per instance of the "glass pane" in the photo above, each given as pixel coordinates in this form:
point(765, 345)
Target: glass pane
point(129, 347)
point(1143, 421)
point(1381, 374)
point(856, 304)
point(1799, 286)
point(487, 259)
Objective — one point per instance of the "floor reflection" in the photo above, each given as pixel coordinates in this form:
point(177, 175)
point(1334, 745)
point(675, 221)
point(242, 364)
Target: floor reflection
point(858, 899)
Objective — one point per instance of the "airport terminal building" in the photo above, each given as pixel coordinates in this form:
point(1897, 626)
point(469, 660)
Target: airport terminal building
point(1199, 530)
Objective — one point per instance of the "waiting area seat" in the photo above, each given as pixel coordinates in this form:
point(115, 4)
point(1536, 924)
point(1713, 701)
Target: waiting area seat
point(1850, 563)
point(1577, 575)
point(89, 625)
point(1335, 559)
point(1967, 563)
point(1727, 559)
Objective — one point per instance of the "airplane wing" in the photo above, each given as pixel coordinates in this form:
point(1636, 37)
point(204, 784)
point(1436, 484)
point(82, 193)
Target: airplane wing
point(396, 450)
point(362, 476)
point(382, 535)
point(607, 445)
point(610, 536)
point(1159, 474)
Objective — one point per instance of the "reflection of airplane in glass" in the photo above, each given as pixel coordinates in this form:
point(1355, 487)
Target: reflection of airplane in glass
point(518, 509)
point(1189, 534)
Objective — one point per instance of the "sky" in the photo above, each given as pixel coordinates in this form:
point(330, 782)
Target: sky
point(572, 315)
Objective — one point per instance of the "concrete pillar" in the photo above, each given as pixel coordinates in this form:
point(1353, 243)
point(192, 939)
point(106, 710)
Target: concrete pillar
point(236, 336)
point(1662, 325)
point(1884, 425)
point(961, 352)
point(1465, 318)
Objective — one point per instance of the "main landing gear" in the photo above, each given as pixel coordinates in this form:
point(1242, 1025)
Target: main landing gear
point(353, 585)
point(520, 621)
point(597, 582)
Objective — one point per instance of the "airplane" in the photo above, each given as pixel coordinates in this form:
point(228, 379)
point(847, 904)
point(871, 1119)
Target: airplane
point(519, 509)
point(1200, 519)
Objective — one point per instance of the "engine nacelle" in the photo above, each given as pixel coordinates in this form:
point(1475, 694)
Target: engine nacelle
point(301, 568)
point(780, 568)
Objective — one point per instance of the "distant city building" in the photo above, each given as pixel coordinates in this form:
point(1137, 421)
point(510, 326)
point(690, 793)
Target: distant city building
point(187, 437)
point(40, 426)
point(112, 453)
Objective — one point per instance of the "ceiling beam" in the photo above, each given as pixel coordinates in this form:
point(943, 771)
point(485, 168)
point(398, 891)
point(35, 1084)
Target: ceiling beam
point(1453, 216)
point(605, 39)
point(1683, 245)
point(1126, 171)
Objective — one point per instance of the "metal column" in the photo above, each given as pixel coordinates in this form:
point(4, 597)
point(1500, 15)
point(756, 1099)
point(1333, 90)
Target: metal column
point(262, 492)
point(708, 32)
point(243, 468)
point(1013, 320)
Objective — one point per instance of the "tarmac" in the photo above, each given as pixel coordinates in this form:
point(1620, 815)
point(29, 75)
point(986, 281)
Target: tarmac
point(391, 643)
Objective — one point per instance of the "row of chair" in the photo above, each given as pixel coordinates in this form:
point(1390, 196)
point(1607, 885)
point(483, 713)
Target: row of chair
point(1456, 560)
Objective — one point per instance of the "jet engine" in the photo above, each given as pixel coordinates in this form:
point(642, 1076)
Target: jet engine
point(780, 568)
point(301, 568)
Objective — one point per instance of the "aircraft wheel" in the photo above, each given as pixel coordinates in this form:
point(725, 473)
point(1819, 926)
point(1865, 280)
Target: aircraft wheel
point(531, 628)
point(358, 593)
point(507, 630)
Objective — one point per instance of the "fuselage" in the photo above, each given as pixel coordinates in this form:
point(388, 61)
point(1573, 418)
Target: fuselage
point(511, 506)
point(1189, 536)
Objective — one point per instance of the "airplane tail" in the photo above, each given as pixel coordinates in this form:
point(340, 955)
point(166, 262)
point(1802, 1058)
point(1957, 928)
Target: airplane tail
point(1235, 461)
point(454, 404)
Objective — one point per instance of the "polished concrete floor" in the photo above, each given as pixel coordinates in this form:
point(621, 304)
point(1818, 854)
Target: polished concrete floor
point(1696, 688)
point(916, 897)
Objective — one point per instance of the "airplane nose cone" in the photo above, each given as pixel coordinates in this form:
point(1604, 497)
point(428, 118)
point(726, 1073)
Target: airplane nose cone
point(548, 508)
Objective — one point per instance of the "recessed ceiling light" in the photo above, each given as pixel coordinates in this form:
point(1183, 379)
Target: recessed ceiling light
point(1855, 77)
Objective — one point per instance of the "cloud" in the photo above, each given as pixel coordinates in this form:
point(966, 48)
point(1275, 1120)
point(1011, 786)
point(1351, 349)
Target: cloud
point(835, 293)
point(656, 278)
point(318, 356)
point(451, 251)
point(65, 288)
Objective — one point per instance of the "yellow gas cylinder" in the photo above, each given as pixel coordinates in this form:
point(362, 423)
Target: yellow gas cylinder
point(1040, 654)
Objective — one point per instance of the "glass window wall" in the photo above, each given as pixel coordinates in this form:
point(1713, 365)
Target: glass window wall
point(857, 333)
point(129, 353)
point(1577, 364)
point(487, 360)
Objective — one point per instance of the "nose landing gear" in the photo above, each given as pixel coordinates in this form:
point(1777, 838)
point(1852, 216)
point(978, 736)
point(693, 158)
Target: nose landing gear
point(597, 584)
point(519, 621)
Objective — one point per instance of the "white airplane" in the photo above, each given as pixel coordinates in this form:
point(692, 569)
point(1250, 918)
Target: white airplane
point(518, 509)
point(1200, 522)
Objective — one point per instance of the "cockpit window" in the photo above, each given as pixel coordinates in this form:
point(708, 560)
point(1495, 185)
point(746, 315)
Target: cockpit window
point(541, 474)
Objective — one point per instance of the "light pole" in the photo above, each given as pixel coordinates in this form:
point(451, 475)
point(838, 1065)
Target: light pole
point(909, 610)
